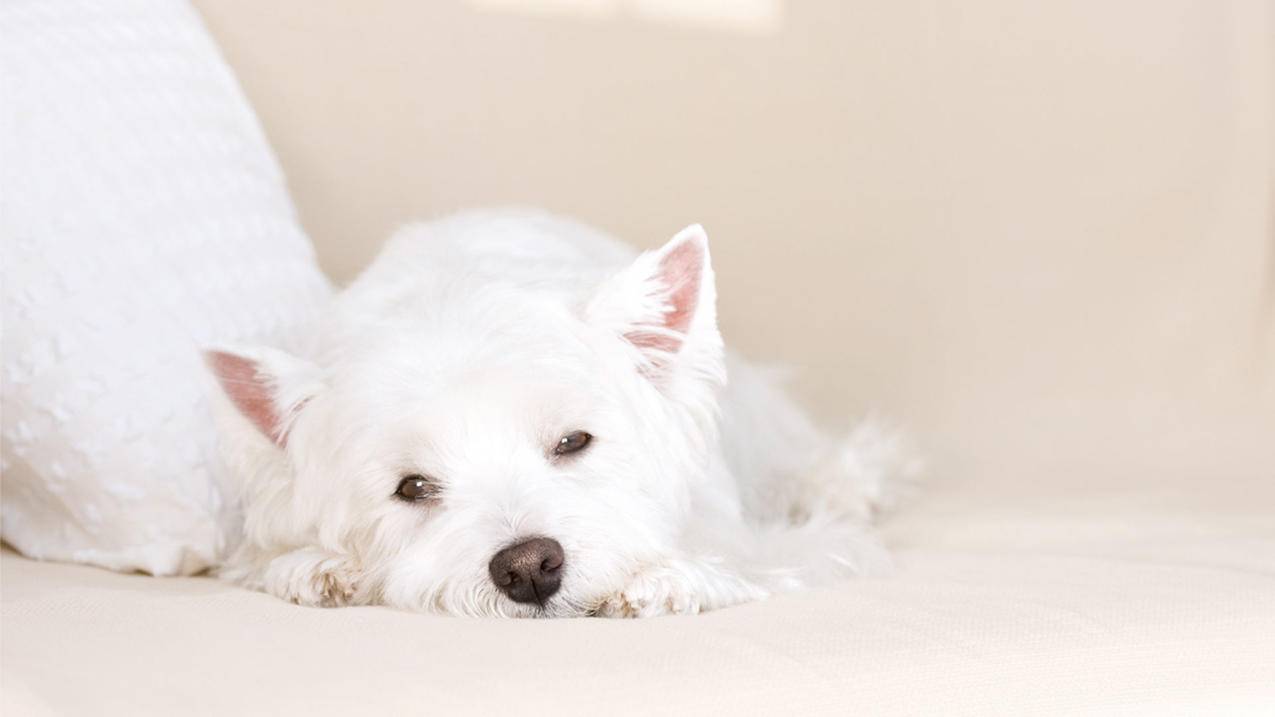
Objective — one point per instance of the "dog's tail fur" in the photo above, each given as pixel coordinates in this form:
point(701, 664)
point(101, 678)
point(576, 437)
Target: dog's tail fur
point(790, 470)
point(870, 471)
point(828, 532)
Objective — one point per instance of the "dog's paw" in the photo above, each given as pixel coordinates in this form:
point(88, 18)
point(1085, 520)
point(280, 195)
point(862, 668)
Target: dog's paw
point(312, 578)
point(335, 587)
point(681, 587)
point(654, 592)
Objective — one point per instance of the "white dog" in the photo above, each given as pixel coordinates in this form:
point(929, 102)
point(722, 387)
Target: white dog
point(511, 414)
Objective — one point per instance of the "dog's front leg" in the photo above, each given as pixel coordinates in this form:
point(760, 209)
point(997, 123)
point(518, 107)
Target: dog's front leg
point(681, 586)
point(306, 576)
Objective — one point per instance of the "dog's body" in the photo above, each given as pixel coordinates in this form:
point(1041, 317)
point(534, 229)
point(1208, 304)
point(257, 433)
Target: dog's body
point(512, 414)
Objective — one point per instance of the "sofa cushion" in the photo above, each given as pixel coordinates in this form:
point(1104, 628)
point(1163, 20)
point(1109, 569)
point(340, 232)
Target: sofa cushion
point(1151, 599)
point(144, 216)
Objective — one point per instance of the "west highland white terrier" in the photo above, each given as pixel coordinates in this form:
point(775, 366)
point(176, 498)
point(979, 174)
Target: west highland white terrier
point(511, 414)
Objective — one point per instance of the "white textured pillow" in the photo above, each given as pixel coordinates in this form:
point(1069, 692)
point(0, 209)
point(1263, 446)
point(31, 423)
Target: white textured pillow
point(143, 217)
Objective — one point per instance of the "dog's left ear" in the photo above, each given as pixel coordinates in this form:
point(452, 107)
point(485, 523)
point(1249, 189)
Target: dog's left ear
point(266, 386)
point(664, 306)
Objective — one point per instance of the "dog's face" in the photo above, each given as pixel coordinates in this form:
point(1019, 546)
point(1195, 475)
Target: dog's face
point(522, 468)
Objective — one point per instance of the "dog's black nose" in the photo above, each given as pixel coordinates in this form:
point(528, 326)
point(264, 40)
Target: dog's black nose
point(529, 571)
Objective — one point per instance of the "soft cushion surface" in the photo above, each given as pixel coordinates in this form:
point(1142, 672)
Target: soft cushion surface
point(144, 216)
point(1154, 598)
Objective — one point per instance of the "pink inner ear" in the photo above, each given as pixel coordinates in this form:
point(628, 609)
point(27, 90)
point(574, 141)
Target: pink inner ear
point(680, 270)
point(246, 388)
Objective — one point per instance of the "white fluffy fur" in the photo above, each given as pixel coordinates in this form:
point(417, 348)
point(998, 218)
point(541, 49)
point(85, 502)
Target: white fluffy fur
point(463, 354)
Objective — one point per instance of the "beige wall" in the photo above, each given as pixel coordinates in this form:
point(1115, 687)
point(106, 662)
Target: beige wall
point(1039, 233)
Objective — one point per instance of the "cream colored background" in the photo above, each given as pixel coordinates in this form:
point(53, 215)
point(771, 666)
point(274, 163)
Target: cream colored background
point(1040, 234)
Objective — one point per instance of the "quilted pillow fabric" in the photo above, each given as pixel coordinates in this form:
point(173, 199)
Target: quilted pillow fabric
point(142, 218)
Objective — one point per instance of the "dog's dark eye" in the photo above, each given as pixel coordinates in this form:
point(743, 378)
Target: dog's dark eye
point(572, 442)
point(415, 488)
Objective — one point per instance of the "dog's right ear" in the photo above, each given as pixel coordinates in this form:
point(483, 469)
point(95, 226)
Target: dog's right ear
point(664, 306)
point(266, 386)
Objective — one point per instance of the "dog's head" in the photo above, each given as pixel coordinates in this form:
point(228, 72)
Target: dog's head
point(511, 455)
